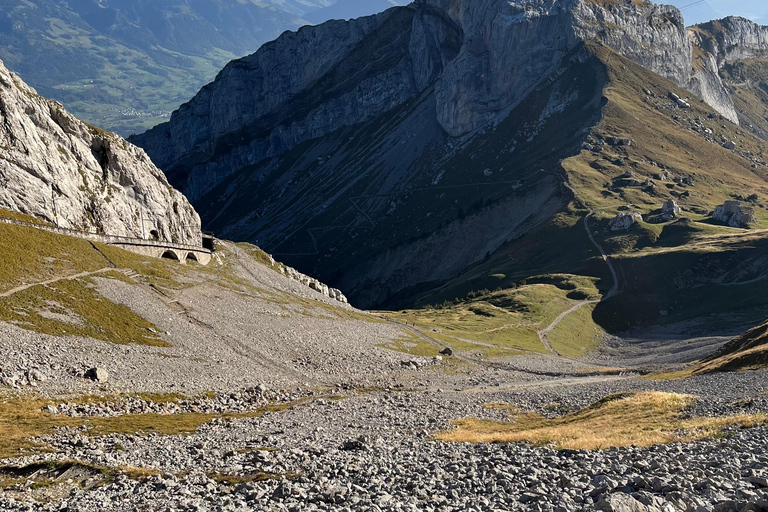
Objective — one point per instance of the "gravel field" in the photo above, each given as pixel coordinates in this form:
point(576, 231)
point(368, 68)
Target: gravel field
point(307, 411)
point(374, 451)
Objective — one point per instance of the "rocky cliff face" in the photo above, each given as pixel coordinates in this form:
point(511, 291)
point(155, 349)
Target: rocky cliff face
point(511, 46)
point(720, 44)
point(482, 58)
point(397, 150)
point(57, 168)
point(304, 85)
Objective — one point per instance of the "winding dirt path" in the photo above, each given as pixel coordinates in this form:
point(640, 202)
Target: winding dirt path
point(544, 333)
point(56, 280)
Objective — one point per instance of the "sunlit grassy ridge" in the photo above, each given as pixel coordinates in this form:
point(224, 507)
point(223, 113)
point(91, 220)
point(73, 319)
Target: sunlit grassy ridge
point(74, 307)
point(508, 318)
point(746, 352)
point(663, 136)
point(683, 270)
point(633, 419)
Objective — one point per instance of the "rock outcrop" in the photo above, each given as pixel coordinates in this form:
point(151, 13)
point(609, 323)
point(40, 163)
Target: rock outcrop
point(624, 221)
point(670, 210)
point(497, 67)
point(717, 44)
point(57, 168)
point(313, 283)
point(734, 214)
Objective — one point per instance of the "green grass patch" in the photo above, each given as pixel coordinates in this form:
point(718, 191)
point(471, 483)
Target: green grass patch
point(507, 319)
point(75, 308)
point(31, 255)
point(22, 217)
point(412, 344)
point(22, 419)
point(577, 334)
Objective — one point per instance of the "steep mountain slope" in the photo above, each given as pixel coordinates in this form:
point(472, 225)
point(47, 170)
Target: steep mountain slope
point(670, 270)
point(416, 180)
point(125, 65)
point(68, 173)
point(427, 72)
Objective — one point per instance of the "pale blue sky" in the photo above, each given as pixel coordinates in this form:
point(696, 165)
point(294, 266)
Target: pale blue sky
point(697, 11)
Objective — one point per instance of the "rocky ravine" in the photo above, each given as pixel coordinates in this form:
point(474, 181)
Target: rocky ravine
point(269, 395)
point(59, 169)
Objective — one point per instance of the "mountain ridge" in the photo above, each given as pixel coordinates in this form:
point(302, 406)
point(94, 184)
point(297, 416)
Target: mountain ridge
point(406, 188)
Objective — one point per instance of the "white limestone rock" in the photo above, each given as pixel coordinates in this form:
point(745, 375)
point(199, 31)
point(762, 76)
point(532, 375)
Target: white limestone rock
point(57, 168)
point(670, 210)
point(734, 214)
point(482, 57)
point(624, 221)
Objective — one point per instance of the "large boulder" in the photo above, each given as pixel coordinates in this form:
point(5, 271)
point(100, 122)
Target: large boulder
point(622, 502)
point(624, 221)
point(733, 214)
point(670, 210)
point(97, 375)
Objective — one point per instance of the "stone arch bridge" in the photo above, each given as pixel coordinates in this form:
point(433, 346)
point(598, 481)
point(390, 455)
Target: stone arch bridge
point(154, 248)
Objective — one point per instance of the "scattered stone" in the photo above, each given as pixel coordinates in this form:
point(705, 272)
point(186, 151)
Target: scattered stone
point(358, 444)
point(14, 380)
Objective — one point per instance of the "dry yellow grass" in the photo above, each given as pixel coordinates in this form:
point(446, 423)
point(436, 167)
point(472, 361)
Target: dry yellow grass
point(23, 418)
point(640, 419)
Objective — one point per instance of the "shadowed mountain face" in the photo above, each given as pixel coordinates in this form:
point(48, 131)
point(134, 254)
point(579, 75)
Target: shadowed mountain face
point(395, 155)
point(125, 65)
